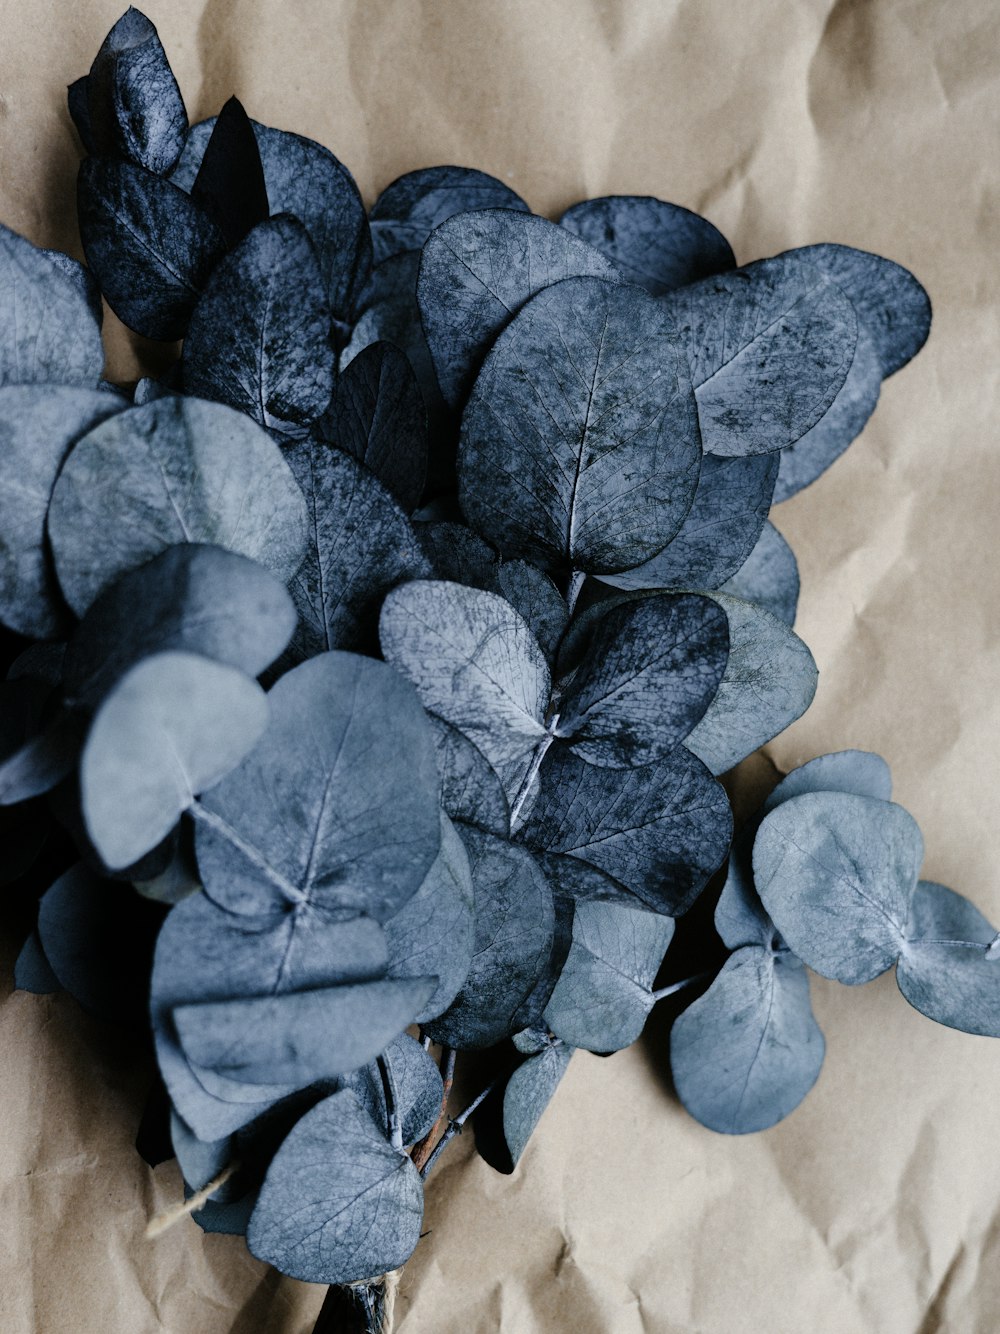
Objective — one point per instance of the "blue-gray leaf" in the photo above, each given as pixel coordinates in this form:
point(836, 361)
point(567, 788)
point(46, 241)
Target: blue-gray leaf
point(535, 597)
point(946, 970)
point(529, 1091)
point(604, 993)
point(769, 681)
point(836, 872)
point(173, 726)
point(49, 335)
point(857, 771)
point(259, 335)
point(416, 1083)
point(174, 470)
point(477, 271)
point(660, 246)
point(150, 246)
point(32, 971)
point(38, 424)
point(471, 790)
point(296, 822)
point(770, 346)
point(651, 669)
point(408, 210)
point(748, 1051)
point(338, 1204)
point(769, 576)
point(660, 830)
point(579, 445)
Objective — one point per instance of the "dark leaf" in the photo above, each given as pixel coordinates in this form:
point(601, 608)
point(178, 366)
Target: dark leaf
point(529, 1091)
point(604, 993)
point(377, 415)
point(433, 934)
point(32, 971)
point(417, 1084)
point(43, 760)
point(197, 599)
point(296, 822)
point(338, 1203)
point(230, 182)
point(533, 594)
point(38, 424)
point(770, 346)
point(651, 669)
point(471, 791)
point(49, 334)
point(458, 555)
point(579, 444)
point(514, 929)
point(657, 245)
point(769, 681)
point(660, 830)
point(836, 873)
point(259, 335)
point(477, 271)
point(176, 470)
point(135, 105)
point(748, 1051)
point(769, 576)
point(725, 520)
point(408, 210)
point(150, 246)
point(78, 102)
point(360, 545)
point(173, 726)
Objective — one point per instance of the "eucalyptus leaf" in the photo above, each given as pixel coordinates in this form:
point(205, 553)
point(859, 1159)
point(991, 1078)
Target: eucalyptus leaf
point(173, 725)
point(946, 969)
point(745, 1054)
point(718, 534)
point(836, 872)
point(416, 1082)
point(434, 933)
point(193, 598)
point(135, 107)
point(338, 1203)
point(770, 346)
point(514, 928)
point(174, 470)
point(408, 209)
point(769, 576)
point(529, 1091)
point(857, 771)
point(889, 300)
point(38, 425)
point(604, 993)
point(660, 246)
point(259, 335)
point(296, 822)
point(150, 246)
point(475, 664)
point(660, 830)
point(651, 669)
point(230, 182)
point(535, 597)
point(78, 104)
point(843, 421)
point(32, 971)
point(471, 791)
point(476, 272)
point(459, 555)
point(201, 1160)
point(769, 681)
point(580, 445)
point(43, 760)
point(360, 545)
point(377, 415)
point(50, 335)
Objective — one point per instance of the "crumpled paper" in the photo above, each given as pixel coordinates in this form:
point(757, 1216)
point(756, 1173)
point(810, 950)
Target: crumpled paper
point(875, 1209)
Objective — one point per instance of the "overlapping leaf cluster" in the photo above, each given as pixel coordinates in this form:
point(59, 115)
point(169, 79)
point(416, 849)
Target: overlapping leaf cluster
point(398, 635)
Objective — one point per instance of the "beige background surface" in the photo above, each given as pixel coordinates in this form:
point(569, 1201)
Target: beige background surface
point(876, 1208)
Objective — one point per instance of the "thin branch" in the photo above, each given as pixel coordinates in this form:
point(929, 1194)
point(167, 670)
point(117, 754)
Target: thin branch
point(423, 1150)
point(679, 986)
point(455, 1126)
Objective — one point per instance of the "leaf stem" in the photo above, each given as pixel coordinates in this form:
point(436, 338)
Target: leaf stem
point(455, 1126)
point(679, 986)
point(423, 1150)
point(536, 763)
point(391, 1103)
point(576, 582)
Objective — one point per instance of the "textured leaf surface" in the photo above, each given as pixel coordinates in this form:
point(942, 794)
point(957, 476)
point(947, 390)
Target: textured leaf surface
point(408, 210)
point(535, 597)
point(769, 681)
point(747, 1052)
point(173, 726)
point(417, 1085)
point(471, 791)
point(529, 1091)
point(579, 444)
point(338, 803)
point(836, 872)
point(660, 246)
point(32, 971)
point(259, 336)
point(230, 182)
point(858, 771)
point(945, 970)
point(175, 470)
point(770, 346)
point(477, 271)
point(769, 576)
point(660, 830)
point(338, 1203)
point(38, 425)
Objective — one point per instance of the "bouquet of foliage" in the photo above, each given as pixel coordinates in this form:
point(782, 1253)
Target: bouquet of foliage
point(371, 673)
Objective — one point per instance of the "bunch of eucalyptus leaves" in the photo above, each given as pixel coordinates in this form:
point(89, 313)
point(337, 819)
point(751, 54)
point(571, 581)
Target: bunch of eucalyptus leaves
point(392, 643)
